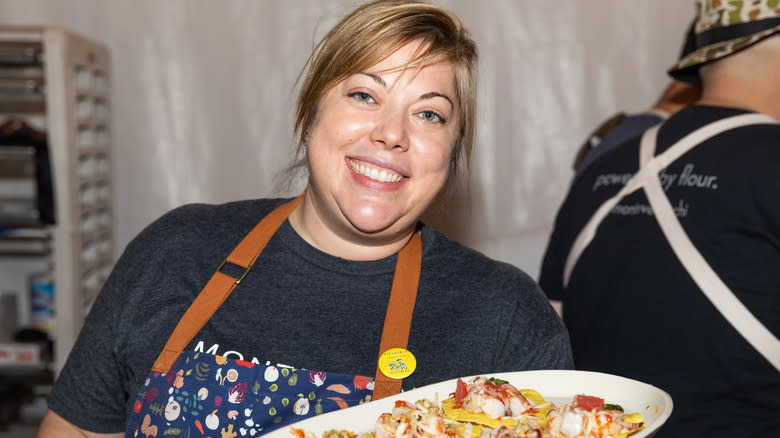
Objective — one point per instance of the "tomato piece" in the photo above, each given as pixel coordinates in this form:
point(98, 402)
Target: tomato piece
point(461, 390)
point(589, 402)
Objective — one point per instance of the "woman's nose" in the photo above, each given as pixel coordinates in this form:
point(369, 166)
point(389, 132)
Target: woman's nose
point(391, 130)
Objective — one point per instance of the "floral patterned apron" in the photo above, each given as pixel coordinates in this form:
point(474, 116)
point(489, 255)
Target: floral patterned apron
point(196, 394)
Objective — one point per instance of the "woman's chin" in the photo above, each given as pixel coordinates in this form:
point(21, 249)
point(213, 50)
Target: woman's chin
point(378, 227)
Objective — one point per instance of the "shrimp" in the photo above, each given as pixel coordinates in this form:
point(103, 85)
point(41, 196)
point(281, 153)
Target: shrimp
point(495, 400)
point(483, 396)
point(515, 402)
point(570, 422)
point(573, 421)
point(385, 426)
point(408, 421)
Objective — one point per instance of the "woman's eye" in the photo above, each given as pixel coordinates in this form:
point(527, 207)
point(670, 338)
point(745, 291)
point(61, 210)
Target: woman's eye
point(431, 116)
point(362, 96)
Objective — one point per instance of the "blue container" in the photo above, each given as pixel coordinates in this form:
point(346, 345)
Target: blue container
point(42, 301)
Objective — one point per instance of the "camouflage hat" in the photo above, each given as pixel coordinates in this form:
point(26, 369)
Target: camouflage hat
point(725, 27)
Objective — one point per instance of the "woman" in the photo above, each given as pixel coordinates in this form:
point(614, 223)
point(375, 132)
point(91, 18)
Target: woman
point(384, 113)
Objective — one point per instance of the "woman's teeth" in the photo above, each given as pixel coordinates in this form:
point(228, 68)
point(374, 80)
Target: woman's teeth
point(374, 173)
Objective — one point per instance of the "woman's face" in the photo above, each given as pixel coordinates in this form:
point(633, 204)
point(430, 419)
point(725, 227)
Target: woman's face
point(381, 146)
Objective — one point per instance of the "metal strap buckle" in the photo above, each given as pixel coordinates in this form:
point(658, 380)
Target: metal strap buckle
point(246, 270)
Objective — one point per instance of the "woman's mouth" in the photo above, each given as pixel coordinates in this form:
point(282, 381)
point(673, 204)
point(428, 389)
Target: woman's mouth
point(375, 173)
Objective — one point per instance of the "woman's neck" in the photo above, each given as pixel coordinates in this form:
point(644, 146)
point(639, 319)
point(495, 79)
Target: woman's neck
point(343, 242)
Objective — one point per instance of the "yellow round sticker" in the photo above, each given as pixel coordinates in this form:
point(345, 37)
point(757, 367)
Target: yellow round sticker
point(397, 363)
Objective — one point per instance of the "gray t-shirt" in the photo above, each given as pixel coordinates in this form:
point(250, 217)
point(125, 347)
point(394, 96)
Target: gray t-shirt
point(298, 307)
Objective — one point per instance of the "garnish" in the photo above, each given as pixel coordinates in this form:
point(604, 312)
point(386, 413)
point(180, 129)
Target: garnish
point(497, 382)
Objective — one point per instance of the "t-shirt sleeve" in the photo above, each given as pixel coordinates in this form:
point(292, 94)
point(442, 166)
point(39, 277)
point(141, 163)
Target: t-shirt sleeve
point(93, 389)
point(551, 273)
point(89, 390)
point(537, 337)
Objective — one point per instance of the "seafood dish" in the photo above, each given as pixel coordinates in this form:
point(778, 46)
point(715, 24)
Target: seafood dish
point(494, 408)
point(538, 403)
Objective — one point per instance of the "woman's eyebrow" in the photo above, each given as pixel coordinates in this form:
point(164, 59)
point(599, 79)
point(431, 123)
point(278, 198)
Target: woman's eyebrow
point(378, 79)
point(433, 94)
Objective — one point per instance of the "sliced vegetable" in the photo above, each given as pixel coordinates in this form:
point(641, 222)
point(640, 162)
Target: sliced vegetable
point(461, 389)
point(589, 402)
point(497, 382)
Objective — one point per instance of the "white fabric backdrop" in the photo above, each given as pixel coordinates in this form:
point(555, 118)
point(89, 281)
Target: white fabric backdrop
point(203, 93)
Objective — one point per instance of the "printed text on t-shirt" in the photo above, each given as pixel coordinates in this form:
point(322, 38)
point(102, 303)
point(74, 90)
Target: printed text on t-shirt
point(687, 178)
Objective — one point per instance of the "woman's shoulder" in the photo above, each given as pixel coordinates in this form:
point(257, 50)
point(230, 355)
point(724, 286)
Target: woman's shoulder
point(451, 259)
point(200, 225)
point(198, 213)
point(189, 240)
point(202, 217)
point(458, 275)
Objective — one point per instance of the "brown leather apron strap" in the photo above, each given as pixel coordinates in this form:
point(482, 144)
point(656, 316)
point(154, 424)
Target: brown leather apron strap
point(398, 319)
point(221, 285)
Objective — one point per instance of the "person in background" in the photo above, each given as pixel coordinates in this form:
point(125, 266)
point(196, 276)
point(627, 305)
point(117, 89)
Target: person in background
point(349, 297)
point(621, 127)
point(665, 252)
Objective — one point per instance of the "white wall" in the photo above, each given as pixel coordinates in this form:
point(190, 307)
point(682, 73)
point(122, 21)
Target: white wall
point(203, 93)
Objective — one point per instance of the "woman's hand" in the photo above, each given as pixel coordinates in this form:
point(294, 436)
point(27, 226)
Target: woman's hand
point(54, 426)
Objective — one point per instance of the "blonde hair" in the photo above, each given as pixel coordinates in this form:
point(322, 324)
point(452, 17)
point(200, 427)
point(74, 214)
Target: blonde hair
point(374, 31)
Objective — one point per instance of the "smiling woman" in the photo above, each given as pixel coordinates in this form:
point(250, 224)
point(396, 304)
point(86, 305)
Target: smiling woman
point(379, 152)
point(343, 284)
point(385, 113)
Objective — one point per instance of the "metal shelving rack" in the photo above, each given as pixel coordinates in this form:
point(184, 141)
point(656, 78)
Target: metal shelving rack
point(67, 78)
